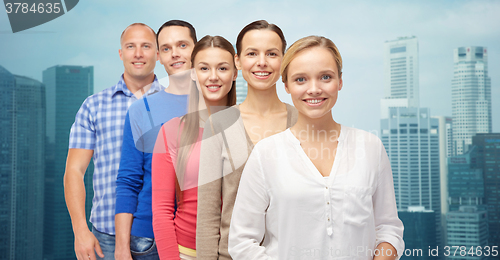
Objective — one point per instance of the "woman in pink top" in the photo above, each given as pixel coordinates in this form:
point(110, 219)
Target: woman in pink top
point(177, 151)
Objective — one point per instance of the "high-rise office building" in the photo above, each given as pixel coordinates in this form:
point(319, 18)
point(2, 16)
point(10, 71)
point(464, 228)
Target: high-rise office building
point(465, 181)
point(409, 134)
point(66, 89)
point(22, 163)
point(241, 88)
point(401, 76)
point(488, 160)
point(445, 141)
point(420, 232)
point(410, 137)
point(470, 96)
point(467, 227)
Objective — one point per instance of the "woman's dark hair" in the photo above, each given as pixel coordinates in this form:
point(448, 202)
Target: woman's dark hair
point(192, 31)
point(260, 25)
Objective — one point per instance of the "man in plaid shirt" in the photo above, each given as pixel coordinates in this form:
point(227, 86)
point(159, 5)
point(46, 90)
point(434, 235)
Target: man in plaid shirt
point(98, 133)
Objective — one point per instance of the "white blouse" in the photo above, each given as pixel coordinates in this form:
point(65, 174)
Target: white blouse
point(285, 208)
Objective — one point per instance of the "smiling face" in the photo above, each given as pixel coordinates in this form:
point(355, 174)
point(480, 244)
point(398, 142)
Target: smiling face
point(313, 82)
point(215, 73)
point(138, 52)
point(175, 47)
point(260, 58)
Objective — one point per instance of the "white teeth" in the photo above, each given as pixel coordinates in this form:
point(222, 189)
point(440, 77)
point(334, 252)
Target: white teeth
point(213, 87)
point(262, 73)
point(177, 63)
point(139, 63)
point(314, 101)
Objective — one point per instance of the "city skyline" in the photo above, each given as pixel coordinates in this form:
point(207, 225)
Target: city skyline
point(76, 39)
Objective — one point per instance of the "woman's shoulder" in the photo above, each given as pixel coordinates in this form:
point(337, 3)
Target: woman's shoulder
point(352, 134)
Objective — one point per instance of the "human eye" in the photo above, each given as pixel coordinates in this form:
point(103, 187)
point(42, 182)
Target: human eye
point(251, 54)
point(223, 68)
point(183, 45)
point(147, 46)
point(326, 77)
point(272, 54)
point(165, 49)
point(300, 80)
point(204, 68)
point(129, 46)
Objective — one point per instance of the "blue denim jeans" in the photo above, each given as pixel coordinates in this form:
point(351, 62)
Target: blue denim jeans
point(143, 248)
point(107, 243)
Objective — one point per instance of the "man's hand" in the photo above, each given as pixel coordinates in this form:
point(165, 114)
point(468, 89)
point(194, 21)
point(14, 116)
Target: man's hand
point(123, 225)
point(85, 244)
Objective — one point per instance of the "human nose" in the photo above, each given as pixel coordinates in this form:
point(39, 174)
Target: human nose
point(262, 61)
point(213, 76)
point(138, 52)
point(314, 88)
point(175, 52)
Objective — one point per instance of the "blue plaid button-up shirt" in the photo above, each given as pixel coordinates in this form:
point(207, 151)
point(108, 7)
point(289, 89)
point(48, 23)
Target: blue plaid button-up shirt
point(99, 126)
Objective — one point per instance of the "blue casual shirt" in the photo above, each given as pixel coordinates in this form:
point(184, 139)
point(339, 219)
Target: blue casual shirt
point(133, 184)
point(99, 126)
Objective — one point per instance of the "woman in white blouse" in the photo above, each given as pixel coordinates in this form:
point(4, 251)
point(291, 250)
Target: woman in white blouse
point(319, 190)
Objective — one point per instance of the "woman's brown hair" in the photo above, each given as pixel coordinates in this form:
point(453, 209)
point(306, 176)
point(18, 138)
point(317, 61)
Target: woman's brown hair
point(190, 131)
point(260, 25)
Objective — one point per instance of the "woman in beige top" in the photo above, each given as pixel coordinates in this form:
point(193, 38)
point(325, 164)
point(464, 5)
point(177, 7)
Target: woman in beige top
point(230, 135)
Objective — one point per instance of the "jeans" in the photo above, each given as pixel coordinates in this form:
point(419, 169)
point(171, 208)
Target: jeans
point(107, 243)
point(143, 248)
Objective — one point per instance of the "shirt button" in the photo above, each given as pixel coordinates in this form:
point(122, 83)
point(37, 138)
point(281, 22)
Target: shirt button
point(328, 202)
point(326, 188)
point(328, 219)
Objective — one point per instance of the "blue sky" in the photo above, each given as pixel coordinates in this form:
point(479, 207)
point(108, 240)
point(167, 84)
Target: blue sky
point(89, 35)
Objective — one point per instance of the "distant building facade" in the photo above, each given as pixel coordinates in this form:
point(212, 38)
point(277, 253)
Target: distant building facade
point(66, 89)
point(22, 165)
point(470, 96)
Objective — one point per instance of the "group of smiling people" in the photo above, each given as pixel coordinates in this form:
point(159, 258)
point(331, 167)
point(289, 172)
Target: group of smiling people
point(201, 177)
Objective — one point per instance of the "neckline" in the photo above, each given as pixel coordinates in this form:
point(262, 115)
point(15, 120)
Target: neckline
point(249, 140)
point(310, 164)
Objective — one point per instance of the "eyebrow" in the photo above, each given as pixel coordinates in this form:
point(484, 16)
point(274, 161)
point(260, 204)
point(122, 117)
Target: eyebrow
point(220, 63)
point(254, 49)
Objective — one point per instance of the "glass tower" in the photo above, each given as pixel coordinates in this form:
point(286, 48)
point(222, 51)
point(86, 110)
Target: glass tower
point(22, 164)
point(470, 96)
point(488, 159)
point(67, 88)
point(401, 82)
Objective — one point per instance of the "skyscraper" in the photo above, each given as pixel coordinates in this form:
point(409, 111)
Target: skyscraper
point(489, 160)
point(467, 227)
point(401, 82)
point(419, 233)
point(465, 181)
point(241, 88)
point(470, 96)
point(22, 163)
point(410, 135)
point(67, 87)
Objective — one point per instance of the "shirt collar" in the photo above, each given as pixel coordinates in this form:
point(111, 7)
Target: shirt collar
point(122, 87)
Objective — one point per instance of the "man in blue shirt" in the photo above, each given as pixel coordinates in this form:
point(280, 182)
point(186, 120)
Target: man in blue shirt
point(134, 218)
point(97, 132)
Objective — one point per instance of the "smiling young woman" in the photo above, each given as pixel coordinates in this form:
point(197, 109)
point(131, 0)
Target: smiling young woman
point(231, 134)
point(177, 150)
point(319, 189)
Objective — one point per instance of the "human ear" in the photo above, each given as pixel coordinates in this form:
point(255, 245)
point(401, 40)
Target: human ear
point(120, 53)
point(237, 61)
point(286, 88)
